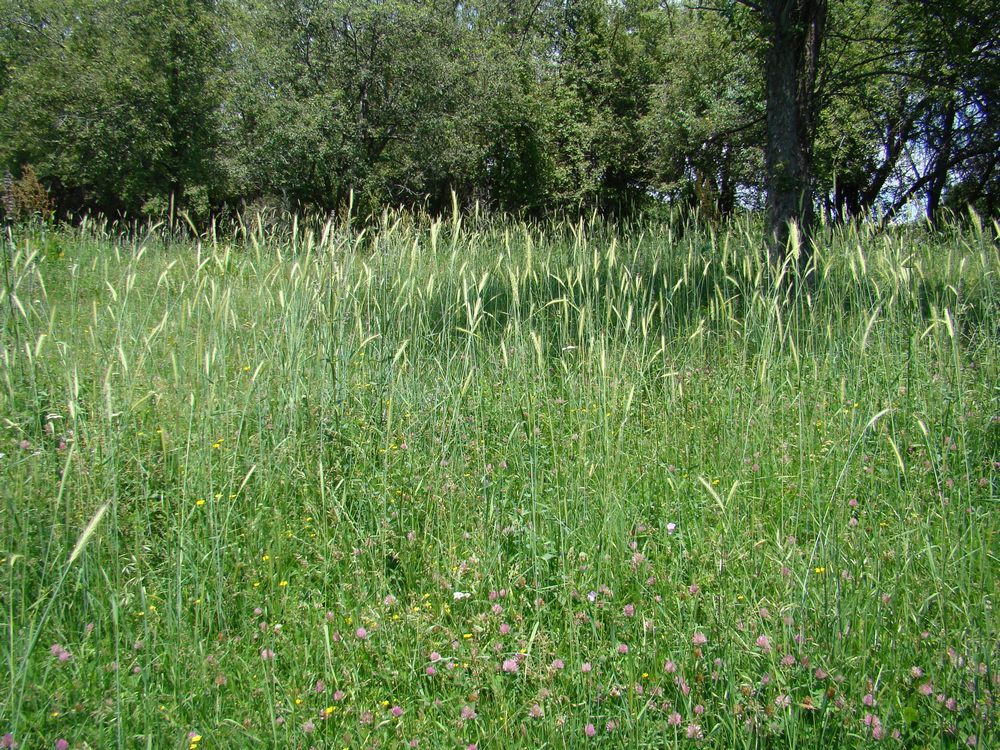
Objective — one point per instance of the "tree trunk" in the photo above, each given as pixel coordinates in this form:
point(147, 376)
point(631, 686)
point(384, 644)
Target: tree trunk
point(939, 176)
point(794, 34)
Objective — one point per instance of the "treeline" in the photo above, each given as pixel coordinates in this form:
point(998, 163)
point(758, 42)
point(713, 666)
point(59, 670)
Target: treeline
point(126, 107)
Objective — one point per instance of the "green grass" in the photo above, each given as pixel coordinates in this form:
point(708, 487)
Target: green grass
point(607, 439)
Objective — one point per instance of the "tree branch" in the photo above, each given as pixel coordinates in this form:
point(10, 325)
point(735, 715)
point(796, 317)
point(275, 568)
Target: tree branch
point(720, 9)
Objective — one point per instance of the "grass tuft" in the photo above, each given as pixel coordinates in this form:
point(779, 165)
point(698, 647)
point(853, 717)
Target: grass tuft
point(453, 483)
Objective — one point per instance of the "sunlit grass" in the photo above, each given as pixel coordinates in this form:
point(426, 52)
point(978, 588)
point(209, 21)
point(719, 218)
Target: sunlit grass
point(499, 485)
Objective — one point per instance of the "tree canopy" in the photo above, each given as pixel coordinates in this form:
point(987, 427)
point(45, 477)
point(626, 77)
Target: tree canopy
point(530, 106)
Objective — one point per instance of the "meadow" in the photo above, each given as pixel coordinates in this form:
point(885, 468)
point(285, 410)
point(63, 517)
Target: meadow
point(480, 484)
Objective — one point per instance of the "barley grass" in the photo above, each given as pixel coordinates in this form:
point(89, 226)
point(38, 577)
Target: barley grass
point(457, 482)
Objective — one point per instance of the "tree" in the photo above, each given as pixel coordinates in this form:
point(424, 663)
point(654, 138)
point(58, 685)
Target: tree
point(114, 102)
point(956, 55)
point(562, 119)
point(909, 109)
point(794, 31)
point(861, 107)
point(706, 120)
point(870, 110)
point(334, 98)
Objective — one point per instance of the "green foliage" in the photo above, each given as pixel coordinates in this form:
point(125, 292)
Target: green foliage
point(114, 102)
point(706, 126)
point(910, 108)
point(334, 98)
point(209, 106)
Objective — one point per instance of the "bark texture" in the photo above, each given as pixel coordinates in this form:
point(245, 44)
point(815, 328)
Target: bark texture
point(795, 35)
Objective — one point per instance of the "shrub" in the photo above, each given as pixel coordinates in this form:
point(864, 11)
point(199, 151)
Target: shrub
point(26, 198)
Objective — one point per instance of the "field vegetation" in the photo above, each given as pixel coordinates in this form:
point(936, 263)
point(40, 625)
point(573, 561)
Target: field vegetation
point(461, 482)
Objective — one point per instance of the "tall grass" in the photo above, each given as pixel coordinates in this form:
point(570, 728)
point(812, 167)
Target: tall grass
point(492, 483)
